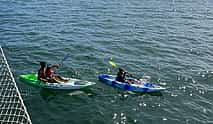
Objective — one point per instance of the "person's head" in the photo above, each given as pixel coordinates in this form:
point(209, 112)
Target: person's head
point(43, 64)
point(121, 70)
point(55, 66)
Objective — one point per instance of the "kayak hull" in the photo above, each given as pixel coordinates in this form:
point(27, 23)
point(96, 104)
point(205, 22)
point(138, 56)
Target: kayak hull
point(72, 84)
point(141, 88)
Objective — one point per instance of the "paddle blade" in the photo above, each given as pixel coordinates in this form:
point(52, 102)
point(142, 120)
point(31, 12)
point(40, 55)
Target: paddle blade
point(112, 63)
point(65, 57)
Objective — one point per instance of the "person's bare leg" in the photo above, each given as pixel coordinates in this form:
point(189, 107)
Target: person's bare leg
point(60, 79)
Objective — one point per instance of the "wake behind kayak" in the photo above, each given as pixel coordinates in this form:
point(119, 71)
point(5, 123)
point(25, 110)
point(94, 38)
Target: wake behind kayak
point(141, 88)
point(72, 83)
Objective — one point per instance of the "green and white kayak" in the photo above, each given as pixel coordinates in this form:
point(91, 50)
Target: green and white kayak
point(72, 84)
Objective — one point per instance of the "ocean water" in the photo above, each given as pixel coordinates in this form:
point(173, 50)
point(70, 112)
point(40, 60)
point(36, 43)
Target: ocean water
point(168, 41)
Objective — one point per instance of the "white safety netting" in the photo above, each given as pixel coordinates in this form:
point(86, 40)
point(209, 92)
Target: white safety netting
point(12, 108)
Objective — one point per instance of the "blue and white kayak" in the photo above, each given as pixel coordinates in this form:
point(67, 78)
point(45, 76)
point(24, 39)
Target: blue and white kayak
point(135, 87)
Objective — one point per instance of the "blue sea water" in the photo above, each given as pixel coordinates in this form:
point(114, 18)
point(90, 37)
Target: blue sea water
point(168, 41)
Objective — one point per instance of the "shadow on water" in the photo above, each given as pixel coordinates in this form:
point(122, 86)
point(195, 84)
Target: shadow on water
point(49, 94)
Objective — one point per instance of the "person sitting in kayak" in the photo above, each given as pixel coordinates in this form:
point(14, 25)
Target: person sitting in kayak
point(52, 76)
point(42, 72)
point(121, 75)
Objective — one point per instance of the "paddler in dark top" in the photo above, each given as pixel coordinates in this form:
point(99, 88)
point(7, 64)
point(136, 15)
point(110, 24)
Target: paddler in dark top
point(42, 72)
point(121, 75)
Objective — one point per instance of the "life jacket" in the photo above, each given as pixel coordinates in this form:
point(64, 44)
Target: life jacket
point(49, 72)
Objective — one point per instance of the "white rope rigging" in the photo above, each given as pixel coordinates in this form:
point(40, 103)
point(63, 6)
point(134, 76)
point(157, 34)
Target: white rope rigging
point(12, 108)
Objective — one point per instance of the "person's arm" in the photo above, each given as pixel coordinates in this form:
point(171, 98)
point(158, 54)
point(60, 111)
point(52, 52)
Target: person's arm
point(126, 74)
point(44, 80)
point(55, 66)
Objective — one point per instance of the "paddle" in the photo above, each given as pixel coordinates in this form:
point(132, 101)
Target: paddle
point(112, 63)
point(65, 58)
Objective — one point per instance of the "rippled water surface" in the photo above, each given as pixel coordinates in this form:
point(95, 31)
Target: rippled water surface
point(168, 41)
